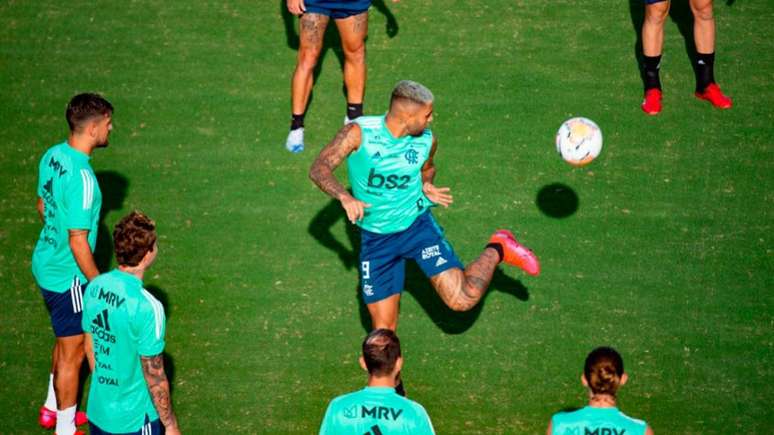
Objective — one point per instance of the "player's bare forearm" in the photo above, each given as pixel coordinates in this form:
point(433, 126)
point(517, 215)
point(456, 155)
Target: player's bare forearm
point(346, 141)
point(428, 169)
point(79, 244)
point(158, 385)
point(41, 209)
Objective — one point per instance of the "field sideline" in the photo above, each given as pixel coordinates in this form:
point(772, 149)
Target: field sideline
point(668, 254)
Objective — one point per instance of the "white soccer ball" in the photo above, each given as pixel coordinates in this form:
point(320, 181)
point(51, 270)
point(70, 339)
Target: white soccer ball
point(579, 141)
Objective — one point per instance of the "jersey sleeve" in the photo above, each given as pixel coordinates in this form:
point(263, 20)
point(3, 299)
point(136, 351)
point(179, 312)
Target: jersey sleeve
point(151, 326)
point(327, 427)
point(424, 425)
point(79, 197)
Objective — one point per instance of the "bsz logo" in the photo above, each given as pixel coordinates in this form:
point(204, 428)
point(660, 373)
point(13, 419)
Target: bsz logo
point(412, 156)
point(391, 181)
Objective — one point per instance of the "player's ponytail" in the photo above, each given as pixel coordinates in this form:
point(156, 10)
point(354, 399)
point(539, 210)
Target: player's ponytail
point(603, 370)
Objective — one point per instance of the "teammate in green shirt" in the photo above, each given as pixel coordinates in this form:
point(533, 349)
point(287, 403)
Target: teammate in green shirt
point(391, 170)
point(69, 203)
point(377, 409)
point(603, 375)
point(125, 325)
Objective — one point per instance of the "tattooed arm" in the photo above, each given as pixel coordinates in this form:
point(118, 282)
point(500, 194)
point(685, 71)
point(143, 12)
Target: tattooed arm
point(439, 195)
point(346, 142)
point(158, 385)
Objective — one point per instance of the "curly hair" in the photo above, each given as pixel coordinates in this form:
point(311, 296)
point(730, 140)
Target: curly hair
point(133, 237)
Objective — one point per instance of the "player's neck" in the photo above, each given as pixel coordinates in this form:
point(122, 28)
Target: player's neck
point(602, 401)
point(80, 143)
point(137, 271)
point(381, 381)
point(396, 127)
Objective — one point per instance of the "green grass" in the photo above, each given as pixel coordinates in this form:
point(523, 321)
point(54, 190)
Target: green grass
point(669, 256)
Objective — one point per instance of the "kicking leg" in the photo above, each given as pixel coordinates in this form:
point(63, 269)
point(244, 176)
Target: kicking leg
point(462, 290)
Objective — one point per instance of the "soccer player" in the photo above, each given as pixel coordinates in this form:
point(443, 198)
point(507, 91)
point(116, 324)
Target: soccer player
point(69, 202)
point(603, 375)
point(656, 12)
point(351, 18)
point(125, 326)
point(377, 409)
point(391, 169)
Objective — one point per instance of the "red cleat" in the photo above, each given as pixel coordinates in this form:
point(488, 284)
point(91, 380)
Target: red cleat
point(714, 95)
point(514, 253)
point(47, 418)
point(77, 432)
point(652, 102)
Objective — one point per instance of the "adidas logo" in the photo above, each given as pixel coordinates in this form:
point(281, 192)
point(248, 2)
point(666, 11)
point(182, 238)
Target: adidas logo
point(101, 320)
point(376, 155)
point(440, 262)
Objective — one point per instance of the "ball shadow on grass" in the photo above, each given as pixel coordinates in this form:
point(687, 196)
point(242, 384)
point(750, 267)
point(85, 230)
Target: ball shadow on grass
point(557, 200)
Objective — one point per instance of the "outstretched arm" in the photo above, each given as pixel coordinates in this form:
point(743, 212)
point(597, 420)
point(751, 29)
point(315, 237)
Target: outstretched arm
point(439, 195)
point(346, 142)
point(158, 385)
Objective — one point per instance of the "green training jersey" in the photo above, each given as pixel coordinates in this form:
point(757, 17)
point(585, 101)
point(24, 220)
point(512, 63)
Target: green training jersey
point(125, 322)
point(597, 421)
point(72, 200)
point(375, 411)
point(386, 172)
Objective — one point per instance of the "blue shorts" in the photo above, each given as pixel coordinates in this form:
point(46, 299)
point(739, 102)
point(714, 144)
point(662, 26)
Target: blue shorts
point(65, 309)
point(149, 428)
point(337, 9)
point(650, 2)
point(383, 257)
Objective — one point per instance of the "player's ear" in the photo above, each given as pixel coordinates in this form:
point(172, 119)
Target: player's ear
point(624, 379)
point(362, 363)
point(584, 381)
point(398, 364)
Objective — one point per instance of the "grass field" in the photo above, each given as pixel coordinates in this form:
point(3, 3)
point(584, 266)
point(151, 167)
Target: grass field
point(668, 254)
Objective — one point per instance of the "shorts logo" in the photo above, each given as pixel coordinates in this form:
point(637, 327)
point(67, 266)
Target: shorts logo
point(368, 289)
point(440, 262)
point(430, 252)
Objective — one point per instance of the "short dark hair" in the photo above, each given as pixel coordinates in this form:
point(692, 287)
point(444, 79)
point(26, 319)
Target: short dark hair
point(381, 350)
point(603, 370)
point(85, 107)
point(133, 237)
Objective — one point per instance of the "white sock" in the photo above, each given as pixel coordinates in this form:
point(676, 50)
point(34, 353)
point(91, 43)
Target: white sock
point(51, 398)
point(65, 421)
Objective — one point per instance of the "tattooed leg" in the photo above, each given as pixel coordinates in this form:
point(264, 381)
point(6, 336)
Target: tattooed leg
point(311, 30)
point(353, 31)
point(462, 290)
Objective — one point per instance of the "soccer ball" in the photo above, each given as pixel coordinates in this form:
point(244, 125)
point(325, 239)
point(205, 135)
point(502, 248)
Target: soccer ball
point(579, 141)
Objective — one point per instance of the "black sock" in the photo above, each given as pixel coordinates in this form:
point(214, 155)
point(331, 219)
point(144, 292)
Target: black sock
point(354, 110)
point(650, 68)
point(704, 66)
point(297, 121)
point(497, 247)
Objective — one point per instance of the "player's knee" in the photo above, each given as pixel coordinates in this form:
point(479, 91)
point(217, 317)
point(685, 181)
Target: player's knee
point(307, 59)
point(703, 12)
point(355, 54)
point(656, 14)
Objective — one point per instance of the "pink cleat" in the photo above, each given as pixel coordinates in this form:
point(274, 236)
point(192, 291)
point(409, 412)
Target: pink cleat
point(47, 418)
point(516, 254)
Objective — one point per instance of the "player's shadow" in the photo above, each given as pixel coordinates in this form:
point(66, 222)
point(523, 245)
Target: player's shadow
point(331, 39)
point(680, 13)
point(417, 284)
point(114, 187)
point(557, 200)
